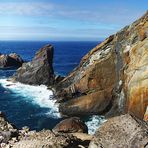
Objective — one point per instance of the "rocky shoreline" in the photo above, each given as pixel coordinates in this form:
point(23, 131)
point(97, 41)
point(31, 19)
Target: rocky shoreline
point(110, 80)
point(120, 131)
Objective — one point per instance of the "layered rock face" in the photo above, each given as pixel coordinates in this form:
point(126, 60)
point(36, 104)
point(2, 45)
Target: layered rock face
point(39, 70)
point(10, 61)
point(123, 132)
point(111, 77)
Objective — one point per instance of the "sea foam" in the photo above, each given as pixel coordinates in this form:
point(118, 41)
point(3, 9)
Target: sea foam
point(38, 95)
point(94, 123)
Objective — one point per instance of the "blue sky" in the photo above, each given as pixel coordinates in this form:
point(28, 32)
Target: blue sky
point(66, 19)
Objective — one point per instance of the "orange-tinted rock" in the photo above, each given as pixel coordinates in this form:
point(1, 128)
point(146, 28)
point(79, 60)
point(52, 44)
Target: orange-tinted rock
point(146, 115)
point(112, 76)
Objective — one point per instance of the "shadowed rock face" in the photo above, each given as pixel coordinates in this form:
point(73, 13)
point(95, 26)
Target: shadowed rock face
point(121, 132)
point(10, 61)
point(111, 77)
point(39, 70)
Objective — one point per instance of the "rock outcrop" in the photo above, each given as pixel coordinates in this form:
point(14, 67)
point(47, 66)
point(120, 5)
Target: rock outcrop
point(39, 70)
point(24, 138)
point(7, 130)
point(121, 132)
point(71, 125)
point(112, 77)
point(10, 61)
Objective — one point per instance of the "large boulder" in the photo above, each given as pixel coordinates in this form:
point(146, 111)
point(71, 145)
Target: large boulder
point(111, 78)
point(121, 132)
point(39, 70)
point(10, 61)
point(71, 125)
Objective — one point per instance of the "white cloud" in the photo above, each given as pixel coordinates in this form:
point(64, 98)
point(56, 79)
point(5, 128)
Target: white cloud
point(16, 8)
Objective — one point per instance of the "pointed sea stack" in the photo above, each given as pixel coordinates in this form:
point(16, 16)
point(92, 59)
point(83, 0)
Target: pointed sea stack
point(39, 70)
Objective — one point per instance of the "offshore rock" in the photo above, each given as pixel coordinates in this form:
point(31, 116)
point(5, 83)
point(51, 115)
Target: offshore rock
point(10, 61)
point(121, 132)
point(71, 125)
point(112, 78)
point(39, 70)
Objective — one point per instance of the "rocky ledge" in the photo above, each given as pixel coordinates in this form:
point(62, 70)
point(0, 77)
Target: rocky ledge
point(73, 137)
point(112, 78)
point(121, 131)
point(10, 61)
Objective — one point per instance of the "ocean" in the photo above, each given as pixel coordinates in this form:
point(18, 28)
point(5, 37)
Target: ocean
point(33, 106)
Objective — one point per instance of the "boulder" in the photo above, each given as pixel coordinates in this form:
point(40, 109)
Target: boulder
point(123, 132)
point(71, 125)
point(112, 78)
point(10, 61)
point(39, 70)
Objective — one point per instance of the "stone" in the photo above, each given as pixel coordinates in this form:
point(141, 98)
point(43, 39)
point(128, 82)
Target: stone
point(10, 61)
point(7, 130)
point(71, 125)
point(121, 131)
point(93, 87)
point(39, 70)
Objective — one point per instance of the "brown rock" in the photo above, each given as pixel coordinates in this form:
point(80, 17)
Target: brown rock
point(10, 61)
point(39, 70)
point(111, 77)
point(121, 132)
point(71, 125)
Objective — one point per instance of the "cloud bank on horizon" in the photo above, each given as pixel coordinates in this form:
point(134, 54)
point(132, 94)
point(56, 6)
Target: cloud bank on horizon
point(66, 19)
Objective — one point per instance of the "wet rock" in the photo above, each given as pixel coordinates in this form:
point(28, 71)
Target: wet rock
point(71, 125)
point(10, 61)
point(39, 70)
point(122, 131)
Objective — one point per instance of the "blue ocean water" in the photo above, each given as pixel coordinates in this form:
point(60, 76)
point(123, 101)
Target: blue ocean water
point(31, 106)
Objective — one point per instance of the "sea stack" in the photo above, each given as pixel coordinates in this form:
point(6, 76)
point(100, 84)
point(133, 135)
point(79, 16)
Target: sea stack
point(112, 77)
point(12, 60)
point(39, 70)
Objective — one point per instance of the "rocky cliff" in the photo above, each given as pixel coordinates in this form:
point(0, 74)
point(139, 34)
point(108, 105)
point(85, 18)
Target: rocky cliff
point(112, 77)
point(39, 70)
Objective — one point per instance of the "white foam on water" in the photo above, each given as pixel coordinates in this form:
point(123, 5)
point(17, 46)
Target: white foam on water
point(94, 122)
point(39, 95)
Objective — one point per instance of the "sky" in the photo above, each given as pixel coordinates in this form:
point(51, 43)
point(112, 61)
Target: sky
point(63, 20)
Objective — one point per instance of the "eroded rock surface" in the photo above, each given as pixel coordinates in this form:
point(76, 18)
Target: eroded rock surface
point(112, 77)
point(39, 70)
point(71, 125)
point(121, 132)
point(10, 61)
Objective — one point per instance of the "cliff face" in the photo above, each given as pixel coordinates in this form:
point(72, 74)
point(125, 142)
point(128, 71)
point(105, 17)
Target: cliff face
point(111, 77)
